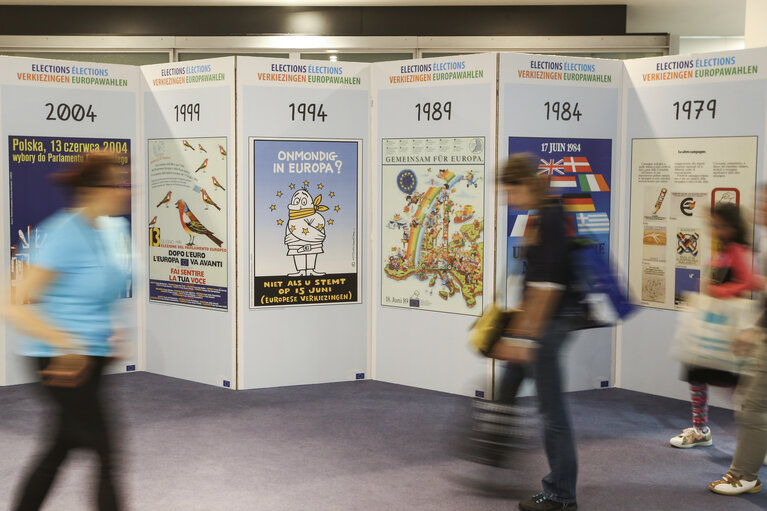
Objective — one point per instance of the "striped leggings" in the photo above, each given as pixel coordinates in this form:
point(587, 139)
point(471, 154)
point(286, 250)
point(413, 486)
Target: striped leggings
point(699, 400)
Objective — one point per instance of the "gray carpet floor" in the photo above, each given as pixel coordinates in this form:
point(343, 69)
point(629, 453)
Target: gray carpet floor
point(360, 446)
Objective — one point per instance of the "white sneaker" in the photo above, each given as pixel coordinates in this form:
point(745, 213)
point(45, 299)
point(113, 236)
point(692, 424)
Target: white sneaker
point(691, 437)
point(731, 485)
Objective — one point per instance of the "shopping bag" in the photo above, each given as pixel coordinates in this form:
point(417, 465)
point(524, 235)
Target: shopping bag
point(706, 329)
point(602, 300)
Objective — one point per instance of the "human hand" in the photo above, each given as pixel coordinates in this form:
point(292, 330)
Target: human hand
point(519, 351)
point(119, 342)
point(746, 340)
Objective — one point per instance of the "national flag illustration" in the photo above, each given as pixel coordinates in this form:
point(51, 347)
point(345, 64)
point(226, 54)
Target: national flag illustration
point(593, 223)
point(563, 182)
point(521, 225)
point(593, 183)
point(576, 164)
point(550, 167)
point(577, 202)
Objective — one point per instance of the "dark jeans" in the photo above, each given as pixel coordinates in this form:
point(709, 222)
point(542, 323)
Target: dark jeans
point(559, 484)
point(78, 421)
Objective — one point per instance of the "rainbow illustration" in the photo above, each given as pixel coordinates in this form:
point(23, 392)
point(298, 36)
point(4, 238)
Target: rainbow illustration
point(425, 207)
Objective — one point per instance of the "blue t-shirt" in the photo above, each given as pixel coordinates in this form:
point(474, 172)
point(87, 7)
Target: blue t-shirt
point(87, 281)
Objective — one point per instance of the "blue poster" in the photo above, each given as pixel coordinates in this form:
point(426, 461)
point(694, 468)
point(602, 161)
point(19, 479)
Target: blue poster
point(33, 197)
point(579, 171)
point(305, 221)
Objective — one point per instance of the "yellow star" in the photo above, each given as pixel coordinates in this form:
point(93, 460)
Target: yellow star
point(320, 226)
point(332, 194)
point(305, 230)
point(320, 186)
point(337, 208)
point(272, 207)
point(280, 221)
point(279, 194)
point(306, 183)
point(292, 186)
point(292, 228)
point(330, 221)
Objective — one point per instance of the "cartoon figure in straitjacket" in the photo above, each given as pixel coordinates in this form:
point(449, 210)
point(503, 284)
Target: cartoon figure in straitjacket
point(305, 232)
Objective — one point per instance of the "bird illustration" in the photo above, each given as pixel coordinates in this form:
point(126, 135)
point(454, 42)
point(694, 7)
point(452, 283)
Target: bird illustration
point(204, 164)
point(217, 184)
point(187, 144)
point(154, 221)
point(222, 151)
point(192, 226)
point(207, 200)
point(165, 200)
point(202, 149)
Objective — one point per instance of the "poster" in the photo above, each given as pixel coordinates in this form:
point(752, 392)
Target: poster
point(188, 213)
point(33, 197)
point(432, 237)
point(305, 221)
point(579, 171)
point(674, 184)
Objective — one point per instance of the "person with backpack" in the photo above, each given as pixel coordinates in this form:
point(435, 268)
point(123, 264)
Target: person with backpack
point(538, 329)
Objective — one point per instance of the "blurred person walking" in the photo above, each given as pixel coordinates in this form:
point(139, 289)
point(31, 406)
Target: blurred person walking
point(732, 276)
point(751, 415)
point(538, 330)
point(63, 308)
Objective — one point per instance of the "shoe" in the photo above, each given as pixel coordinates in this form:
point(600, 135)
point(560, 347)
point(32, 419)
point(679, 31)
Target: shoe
point(731, 485)
point(691, 437)
point(540, 502)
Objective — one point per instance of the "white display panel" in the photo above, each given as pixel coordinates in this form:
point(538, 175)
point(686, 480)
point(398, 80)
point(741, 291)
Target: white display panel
point(51, 111)
point(565, 111)
point(303, 152)
point(189, 218)
point(434, 178)
point(667, 134)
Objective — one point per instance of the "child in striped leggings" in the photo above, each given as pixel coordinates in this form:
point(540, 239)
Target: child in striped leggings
point(731, 276)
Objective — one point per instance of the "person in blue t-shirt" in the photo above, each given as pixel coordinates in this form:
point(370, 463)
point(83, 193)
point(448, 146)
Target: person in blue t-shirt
point(63, 307)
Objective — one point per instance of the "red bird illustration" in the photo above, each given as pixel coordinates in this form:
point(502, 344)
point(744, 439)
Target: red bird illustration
point(217, 184)
point(207, 200)
point(187, 144)
point(222, 151)
point(165, 200)
point(154, 221)
point(202, 149)
point(204, 164)
point(192, 226)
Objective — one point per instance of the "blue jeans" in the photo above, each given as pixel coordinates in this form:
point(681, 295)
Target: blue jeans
point(559, 484)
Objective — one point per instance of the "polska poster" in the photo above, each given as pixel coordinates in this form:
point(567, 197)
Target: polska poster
point(578, 171)
point(34, 197)
point(432, 234)
point(675, 183)
point(188, 213)
point(305, 221)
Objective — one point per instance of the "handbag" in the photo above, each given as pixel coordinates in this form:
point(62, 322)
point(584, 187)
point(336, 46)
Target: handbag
point(707, 328)
point(488, 328)
point(67, 371)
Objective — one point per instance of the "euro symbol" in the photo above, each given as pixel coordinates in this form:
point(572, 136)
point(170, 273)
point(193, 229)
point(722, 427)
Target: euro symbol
point(687, 205)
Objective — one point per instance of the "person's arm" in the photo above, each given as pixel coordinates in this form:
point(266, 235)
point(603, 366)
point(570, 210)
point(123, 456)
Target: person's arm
point(742, 275)
point(27, 319)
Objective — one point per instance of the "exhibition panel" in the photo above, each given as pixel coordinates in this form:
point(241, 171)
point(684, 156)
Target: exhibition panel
point(434, 164)
point(189, 203)
point(303, 221)
point(694, 128)
point(565, 111)
point(51, 112)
